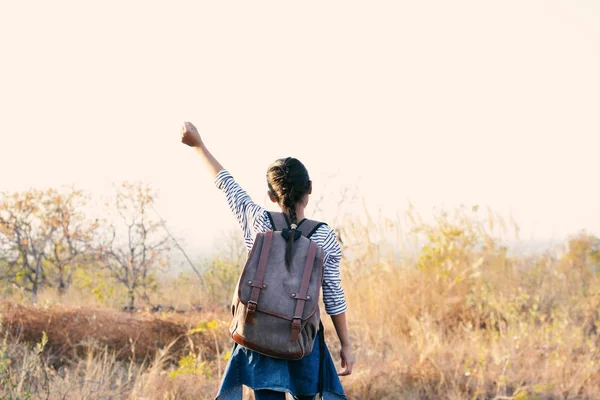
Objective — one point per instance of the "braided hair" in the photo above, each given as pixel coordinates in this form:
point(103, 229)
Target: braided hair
point(288, 183)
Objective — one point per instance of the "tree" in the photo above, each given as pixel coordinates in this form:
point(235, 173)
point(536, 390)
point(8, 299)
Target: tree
point(136, 243)
point(73, 243)
point(44, 235)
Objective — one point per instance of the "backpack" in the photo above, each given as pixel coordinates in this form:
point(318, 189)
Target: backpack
point(275, 307)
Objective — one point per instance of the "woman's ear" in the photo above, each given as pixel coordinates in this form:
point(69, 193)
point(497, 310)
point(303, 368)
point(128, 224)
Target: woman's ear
point(310, 188)
point(273, 199)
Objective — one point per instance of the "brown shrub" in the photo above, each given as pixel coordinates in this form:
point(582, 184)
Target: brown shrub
point(72, 332)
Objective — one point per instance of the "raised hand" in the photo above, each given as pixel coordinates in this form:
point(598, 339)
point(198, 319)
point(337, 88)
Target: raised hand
point(190, 135)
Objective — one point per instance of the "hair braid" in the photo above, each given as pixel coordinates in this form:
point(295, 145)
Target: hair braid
point(288, 182)
point(289, 250)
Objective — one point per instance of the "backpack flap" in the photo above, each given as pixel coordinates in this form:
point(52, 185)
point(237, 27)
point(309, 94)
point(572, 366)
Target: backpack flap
point(279, 289)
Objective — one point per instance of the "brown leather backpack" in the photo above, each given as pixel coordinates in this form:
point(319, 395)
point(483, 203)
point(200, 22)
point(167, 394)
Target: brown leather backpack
point(276, 307)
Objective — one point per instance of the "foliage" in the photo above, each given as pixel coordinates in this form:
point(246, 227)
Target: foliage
point(47, 242)
point(191, 365)
point(204, 326)
point(219, 280)
point(44, 237)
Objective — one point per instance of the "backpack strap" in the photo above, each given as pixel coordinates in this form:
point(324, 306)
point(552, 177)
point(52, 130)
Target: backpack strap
point(279, 222)
point(321, 357)
point(302, 296)
point(258, 283)
point(308, 227)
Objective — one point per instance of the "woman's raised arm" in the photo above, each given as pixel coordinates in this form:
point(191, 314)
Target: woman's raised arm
point(191, 137)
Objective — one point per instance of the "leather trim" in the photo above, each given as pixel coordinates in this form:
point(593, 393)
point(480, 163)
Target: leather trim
point(260, 271)
point(253, 346)
point(239, 284)
point(314, 310)
point(302, 292)
point(260, 310)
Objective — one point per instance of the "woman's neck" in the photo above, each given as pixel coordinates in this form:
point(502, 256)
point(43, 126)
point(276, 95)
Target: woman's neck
point(299, 213)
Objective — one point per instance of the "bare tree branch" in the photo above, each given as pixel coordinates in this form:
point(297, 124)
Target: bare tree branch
point(133, 261)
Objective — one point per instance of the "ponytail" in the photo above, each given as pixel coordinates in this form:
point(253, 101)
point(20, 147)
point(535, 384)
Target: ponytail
point(289, 250)
point(288, 182)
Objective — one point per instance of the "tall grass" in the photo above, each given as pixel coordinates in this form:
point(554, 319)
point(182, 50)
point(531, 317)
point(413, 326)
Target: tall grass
point(437, 310)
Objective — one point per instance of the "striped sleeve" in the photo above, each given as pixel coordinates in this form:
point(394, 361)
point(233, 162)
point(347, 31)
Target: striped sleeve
point(333, 293)
point(251, 216)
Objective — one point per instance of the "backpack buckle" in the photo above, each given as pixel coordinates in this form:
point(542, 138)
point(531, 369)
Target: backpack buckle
point(250, 310)
point(296, 328)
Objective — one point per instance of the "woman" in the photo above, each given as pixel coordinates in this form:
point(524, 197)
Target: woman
point(289, 187)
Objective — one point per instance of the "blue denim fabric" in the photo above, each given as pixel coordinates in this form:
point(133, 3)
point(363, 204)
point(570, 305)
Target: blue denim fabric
point(272, 395)
point(298, 377)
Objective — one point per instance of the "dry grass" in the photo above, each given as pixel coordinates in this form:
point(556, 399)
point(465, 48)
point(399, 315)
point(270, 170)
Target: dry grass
point(458, 318)
point(75, 353)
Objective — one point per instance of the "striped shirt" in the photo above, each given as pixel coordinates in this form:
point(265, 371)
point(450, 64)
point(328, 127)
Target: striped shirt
point(253, 219)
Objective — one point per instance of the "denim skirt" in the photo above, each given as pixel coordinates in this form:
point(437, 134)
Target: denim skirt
point(298, 377)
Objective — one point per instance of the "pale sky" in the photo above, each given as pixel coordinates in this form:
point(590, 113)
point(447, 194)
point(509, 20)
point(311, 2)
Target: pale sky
point(434, 102)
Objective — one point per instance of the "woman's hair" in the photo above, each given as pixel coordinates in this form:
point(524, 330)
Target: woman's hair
point(288, 182)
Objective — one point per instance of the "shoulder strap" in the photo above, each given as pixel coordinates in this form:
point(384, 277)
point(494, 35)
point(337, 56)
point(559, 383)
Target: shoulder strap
point(279, 221)
point(308, 227)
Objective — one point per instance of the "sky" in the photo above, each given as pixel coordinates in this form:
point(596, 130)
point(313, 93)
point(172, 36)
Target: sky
point(433, 103)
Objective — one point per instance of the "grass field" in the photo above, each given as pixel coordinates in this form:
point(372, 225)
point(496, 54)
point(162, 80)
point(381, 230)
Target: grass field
point(454, 317)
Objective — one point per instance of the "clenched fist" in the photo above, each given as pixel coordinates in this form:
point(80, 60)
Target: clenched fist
point(190, 135)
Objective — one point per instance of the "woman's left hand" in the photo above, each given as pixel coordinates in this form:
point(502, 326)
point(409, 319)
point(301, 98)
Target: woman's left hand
point(348, 360)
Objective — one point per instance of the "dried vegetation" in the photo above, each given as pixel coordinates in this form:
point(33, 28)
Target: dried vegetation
point(442, 311)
